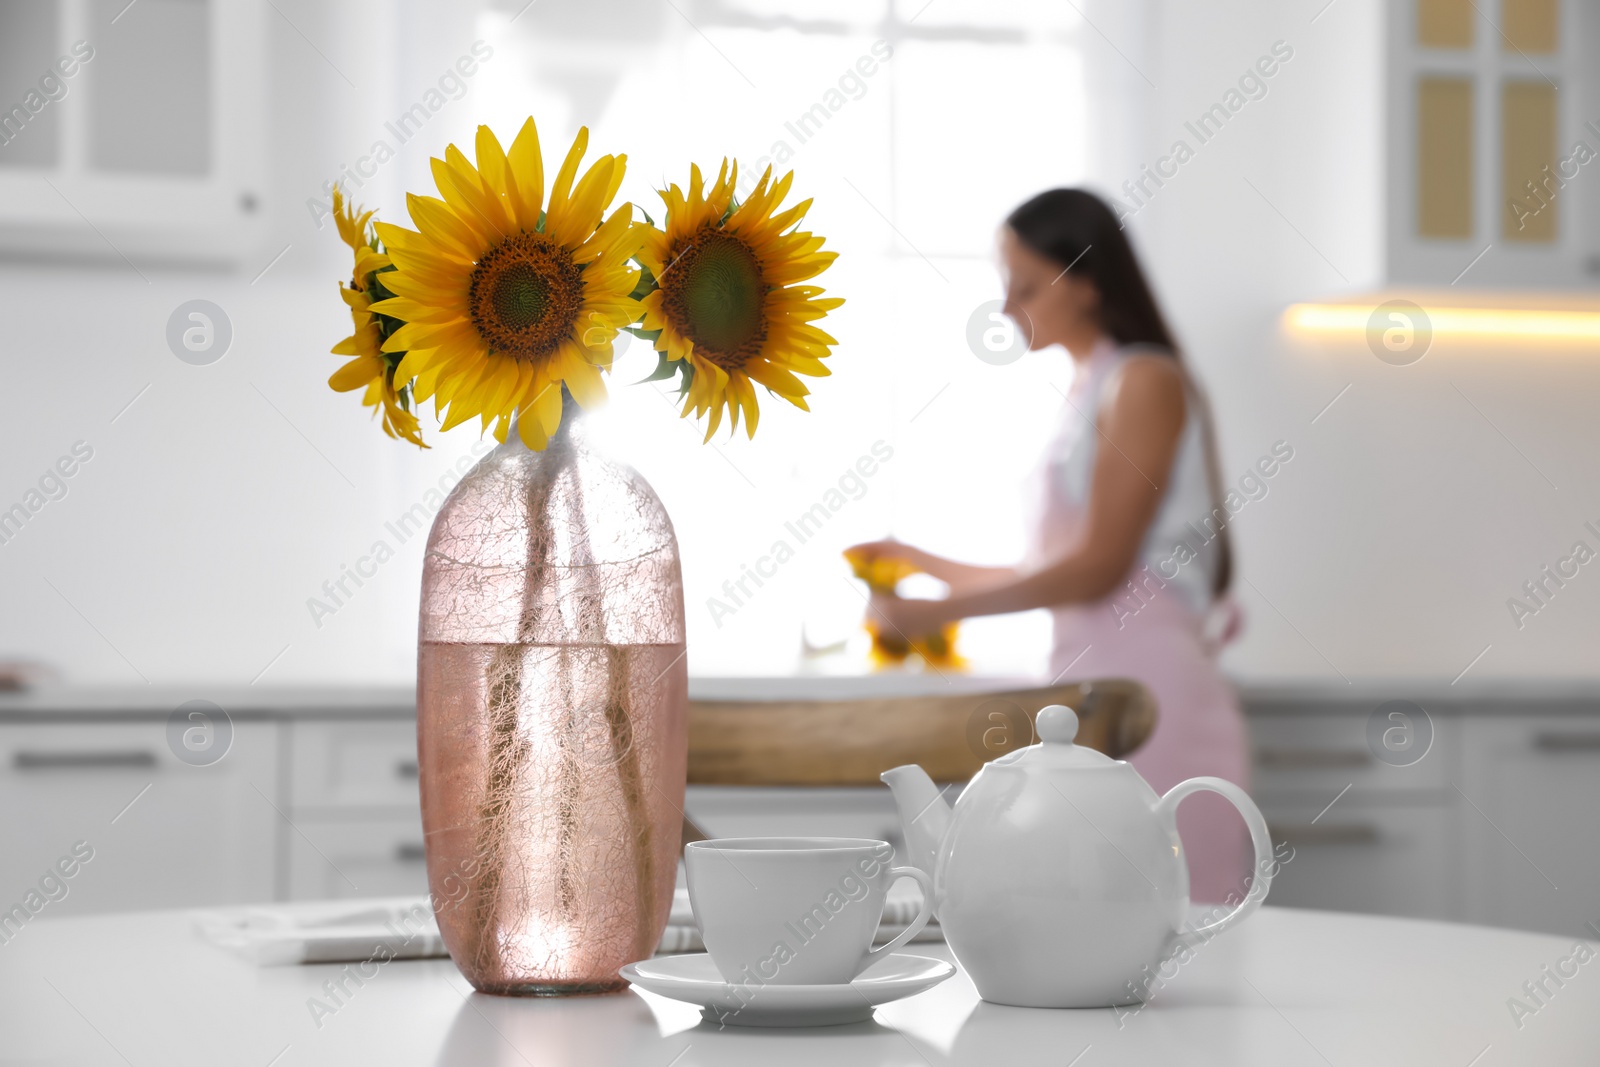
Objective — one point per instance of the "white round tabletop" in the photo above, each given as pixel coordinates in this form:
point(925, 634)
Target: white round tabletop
point(1287, 987)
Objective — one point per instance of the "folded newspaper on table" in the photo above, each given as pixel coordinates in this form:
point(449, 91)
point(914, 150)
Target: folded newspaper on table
point(404, 928)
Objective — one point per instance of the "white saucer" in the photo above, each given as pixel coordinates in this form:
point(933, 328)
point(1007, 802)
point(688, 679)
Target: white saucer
point(694, 979)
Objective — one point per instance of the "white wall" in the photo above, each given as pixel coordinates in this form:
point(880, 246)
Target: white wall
point(218, 503)
point(1389, 546)
point(222, 498)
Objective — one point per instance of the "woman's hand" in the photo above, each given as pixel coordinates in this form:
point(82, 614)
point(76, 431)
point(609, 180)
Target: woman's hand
point(910, 619)
point(888, 548)
point(960, 577)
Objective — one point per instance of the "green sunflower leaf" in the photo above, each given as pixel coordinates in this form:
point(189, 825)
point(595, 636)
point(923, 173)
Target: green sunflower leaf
point(647, 283)
point(665, 368)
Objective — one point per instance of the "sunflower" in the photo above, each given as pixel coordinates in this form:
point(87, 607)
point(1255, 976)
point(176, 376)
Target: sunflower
point(508, 298)
point(725, 310)
point(881, 573)
point(890, 648)
point(369, 367)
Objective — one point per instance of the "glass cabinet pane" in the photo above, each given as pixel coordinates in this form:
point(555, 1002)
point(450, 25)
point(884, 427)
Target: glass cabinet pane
point(1445, 23)
point(1528, 160)
point(1530, 25)
point(1444, 157)
point(161, 66)
point(30, 127)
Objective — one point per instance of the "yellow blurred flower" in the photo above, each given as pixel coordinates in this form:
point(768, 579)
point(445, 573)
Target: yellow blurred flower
point(883, 574)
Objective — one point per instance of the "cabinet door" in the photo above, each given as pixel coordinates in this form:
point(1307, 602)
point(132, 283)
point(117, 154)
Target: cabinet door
point(344, 858)
point(1308, 755)
point(164, 833)
point(142, 120)
point(354, 767)
point(1532, 837)
point(1386, 857)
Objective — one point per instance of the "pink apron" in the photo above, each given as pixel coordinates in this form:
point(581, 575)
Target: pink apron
point(1155, 637)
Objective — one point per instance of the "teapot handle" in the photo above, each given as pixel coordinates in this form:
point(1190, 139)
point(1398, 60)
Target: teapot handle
point(1261, 881)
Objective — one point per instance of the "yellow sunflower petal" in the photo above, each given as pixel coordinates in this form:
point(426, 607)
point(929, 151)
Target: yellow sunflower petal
point(525, 165)
point(564, 177)
point(437, 222)
point(355, 374)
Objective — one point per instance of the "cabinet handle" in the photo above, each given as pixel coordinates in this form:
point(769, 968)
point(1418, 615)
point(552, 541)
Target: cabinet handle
point(409, 852)
point(1313, 757)
point(1361, 833)
point(60, 761)
point(406, 769)
point(1567, 742)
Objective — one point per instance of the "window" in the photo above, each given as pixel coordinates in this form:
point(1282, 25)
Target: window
point(915, 129)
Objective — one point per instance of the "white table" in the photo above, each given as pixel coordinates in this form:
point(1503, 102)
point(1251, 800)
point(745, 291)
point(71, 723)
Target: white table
point(1287, 988)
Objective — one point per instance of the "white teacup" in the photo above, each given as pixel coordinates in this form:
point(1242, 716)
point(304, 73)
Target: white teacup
point(795, 910)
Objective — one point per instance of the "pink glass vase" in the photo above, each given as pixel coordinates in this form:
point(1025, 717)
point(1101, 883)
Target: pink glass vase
point(552, 700)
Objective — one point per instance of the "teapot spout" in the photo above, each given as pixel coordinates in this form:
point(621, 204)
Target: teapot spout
point(924, 814)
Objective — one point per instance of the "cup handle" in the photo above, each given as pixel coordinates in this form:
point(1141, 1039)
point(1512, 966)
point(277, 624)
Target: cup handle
point(873, 955)
point(1261, 880)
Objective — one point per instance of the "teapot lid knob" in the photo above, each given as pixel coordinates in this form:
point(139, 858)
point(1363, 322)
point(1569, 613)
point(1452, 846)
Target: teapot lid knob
point(1057, 723)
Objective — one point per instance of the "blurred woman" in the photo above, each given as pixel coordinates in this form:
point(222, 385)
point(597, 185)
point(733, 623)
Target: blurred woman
point(1130, 548)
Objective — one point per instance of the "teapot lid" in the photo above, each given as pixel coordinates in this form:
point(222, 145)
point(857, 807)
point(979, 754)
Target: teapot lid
point(1057, 727)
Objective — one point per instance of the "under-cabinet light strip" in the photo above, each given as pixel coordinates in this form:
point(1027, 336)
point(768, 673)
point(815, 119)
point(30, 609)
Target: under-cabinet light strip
point(1499, 322)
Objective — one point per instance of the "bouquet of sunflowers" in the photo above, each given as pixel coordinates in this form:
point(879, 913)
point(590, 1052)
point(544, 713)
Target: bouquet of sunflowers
point(509, 294)
point(883, 574)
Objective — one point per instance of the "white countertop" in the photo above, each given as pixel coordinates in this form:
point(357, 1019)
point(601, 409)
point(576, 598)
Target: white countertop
point(47, 703)
point(1287, 988)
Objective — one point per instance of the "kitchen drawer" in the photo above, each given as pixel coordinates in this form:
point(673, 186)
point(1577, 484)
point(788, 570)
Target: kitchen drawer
point(1312, 755)
point(1531, 833)
point(1384, 858)
point(785, 811)
point(357, 858)
point(163, 833)
point(371, 765)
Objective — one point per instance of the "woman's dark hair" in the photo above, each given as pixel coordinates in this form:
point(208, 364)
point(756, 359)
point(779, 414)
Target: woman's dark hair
point(1079, 231)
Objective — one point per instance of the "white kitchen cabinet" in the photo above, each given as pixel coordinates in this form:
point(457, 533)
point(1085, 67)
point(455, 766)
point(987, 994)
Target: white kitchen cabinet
point(337, 860)
point(1367, 836)
point(1487, 100)
point(1319, 753)
point(1384, 856)
point(1460, 159)
point(317, 798)
point(1531, 793)
point(132, 132)
point(353, 765)
point(164, 833)
point(352, 792)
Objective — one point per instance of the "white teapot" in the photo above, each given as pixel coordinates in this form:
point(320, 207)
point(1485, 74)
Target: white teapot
point(1058, 876)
